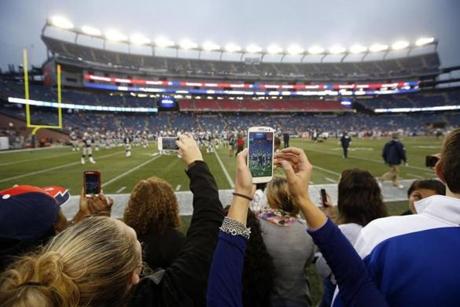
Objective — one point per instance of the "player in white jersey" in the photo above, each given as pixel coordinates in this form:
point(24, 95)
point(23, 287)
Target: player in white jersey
point(127, 141)
point(74, 140)
point(87, 148)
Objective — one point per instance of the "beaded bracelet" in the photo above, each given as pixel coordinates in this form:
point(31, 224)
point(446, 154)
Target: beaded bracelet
point(235, 228)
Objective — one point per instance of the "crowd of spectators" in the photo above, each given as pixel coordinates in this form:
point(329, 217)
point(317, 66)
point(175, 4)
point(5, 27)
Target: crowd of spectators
point(248, 258)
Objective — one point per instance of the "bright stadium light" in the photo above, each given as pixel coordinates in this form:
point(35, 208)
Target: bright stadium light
point(274, 49)
point(61, 22)
point(315, 50)
point(400, 45)
point(378, 47)
point(115, 36)
point(139, 39)
point(231, 47)
point(187, 44)
point(358, 48)
point(163, 42)
point(91, 31)
point(210, 46)
point(253, 48)
point(424, 41)
point(294, 49)
point(337, 49)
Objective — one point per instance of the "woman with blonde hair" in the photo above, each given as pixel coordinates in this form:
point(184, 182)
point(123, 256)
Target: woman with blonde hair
point(93, 263)
point(153, 212)
point(291, 249)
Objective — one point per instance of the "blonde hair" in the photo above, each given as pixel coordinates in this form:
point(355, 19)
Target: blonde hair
point(90, 264)
point(152, 206)
point(278, 196)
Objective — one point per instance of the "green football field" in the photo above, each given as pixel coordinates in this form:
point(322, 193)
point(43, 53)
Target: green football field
point(61, 166)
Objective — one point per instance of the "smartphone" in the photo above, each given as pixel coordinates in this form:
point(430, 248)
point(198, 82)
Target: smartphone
point(92, 182)
point(167, 143)
point(430, 161)
point(323, 197)
point(260, 156)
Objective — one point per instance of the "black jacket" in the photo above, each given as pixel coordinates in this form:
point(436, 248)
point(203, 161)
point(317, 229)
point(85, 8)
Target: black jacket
point(184, 283)
point(394, 152)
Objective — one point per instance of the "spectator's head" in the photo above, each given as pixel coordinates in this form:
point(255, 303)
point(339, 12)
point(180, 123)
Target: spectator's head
point(448, 166)
point(359, 199)
point(94, 262)
point(395, 136)
point(420, 189)
point(278, 196)
point(152, 207)
point(28, 216)
point(259, 270)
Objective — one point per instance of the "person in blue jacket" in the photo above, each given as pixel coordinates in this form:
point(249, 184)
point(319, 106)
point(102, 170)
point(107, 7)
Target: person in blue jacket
point(393, 154)
point(225, 277)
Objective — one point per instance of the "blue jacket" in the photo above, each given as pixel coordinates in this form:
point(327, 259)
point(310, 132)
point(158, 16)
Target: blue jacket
point(394, 152)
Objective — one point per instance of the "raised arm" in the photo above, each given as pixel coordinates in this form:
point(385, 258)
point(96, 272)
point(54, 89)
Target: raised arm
point(225, 277)
point(356, 286)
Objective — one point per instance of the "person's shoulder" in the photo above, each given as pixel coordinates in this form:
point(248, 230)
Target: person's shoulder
point(385, 228)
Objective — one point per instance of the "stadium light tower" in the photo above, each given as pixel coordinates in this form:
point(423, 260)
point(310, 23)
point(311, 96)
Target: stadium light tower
point(210, 46)
point(91, 31)
point(377, 47)
point(399, 45)
point(139, 39)
point(231, 47)
point(337, 49)
point(187, 44)
point(294, 49)
point(357, 48)
point(316, 50)
point(115, 36)
point(61, 22)
point(274, 49)
point(424, 41)
point(163, 42)
point(253, 48)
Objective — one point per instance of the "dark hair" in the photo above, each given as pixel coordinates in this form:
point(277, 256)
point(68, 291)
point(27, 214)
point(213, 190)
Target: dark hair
point(360, 199)
point(429, 184)
point(450, 160)
point(259, 270)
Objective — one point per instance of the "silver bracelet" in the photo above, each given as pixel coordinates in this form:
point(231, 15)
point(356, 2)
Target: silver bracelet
point(235, 228)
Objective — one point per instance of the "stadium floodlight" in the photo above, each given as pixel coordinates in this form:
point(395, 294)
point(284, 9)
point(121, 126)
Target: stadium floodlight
point(210, 46)
point(337, 49)
point(400, 45)
point(274, 49)
point(294, 49)
point(315, 50)
point(91, 31)
point(253, 48)
point(424, 41)
point(163, 42)
point(139, 39)
point(231, 47)
point(358, 48)
point(114, 35)
point(187, 44)
point(61, 22)
point(377, 47)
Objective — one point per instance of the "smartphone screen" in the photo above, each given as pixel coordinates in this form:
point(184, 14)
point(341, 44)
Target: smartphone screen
point(260, 160)
point(92, 183)
point(323, 196)
point(169, 143)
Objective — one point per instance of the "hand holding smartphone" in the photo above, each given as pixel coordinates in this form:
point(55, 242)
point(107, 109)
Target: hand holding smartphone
point(167, 144)
point(260, 155)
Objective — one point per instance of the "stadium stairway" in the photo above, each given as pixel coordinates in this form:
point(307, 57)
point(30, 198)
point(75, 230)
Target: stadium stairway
point(390, 194)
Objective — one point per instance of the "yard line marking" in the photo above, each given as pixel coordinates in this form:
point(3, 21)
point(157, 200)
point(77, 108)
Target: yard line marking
point(178, 187)
point(53, 168)
point(330, 180)
point(43, 158)
point(130, 171)
point(31, 149)
point(326, 170)
point(120, 189)
point(227, 175)
point(416, 176)
point(364, 159)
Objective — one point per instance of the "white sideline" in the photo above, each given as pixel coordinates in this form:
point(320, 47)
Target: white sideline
point(120, 189)
point(131, 170)
point(54, 168)
point(227, 175)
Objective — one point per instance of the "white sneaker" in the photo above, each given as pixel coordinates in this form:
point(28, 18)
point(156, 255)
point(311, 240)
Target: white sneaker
point(92, 160)
point(82, 161)
point(128, 154)
point(400, 186)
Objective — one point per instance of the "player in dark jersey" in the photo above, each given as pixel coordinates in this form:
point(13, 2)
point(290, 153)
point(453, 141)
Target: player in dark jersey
point(87, 148)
